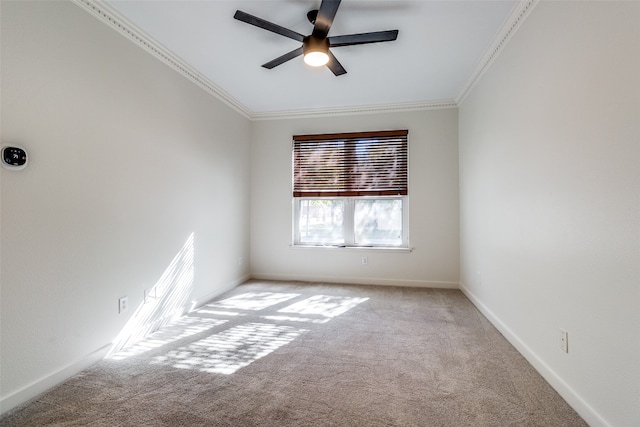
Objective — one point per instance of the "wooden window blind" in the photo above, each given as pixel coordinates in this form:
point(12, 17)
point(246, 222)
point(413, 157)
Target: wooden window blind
point(350, 164)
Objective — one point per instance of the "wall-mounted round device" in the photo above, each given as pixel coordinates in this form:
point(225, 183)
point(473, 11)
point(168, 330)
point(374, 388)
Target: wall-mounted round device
point(13, 157)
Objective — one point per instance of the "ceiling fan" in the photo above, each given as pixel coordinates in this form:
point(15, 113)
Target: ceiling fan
point(315, 47)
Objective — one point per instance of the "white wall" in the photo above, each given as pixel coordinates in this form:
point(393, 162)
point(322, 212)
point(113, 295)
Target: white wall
point(549, 203)
point(127, 159)
point(433, 204)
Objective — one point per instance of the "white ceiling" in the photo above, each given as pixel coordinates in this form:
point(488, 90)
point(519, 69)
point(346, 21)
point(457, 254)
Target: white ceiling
point(440, 46)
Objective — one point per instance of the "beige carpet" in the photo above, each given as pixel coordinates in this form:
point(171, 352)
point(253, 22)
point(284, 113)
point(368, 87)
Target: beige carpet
point(299, 354)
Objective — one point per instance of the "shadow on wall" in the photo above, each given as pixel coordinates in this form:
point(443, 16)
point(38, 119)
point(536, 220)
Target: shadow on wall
point(164, 304)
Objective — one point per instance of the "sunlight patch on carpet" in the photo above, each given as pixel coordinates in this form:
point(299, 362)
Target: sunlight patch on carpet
point(251, 301)
point(323, 305)
point(296, 319)
point(182, 328)
point(218, 312)
point(230, 350)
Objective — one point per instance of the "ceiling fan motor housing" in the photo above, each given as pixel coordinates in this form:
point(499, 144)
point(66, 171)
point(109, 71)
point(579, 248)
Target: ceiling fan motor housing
point(315, 44)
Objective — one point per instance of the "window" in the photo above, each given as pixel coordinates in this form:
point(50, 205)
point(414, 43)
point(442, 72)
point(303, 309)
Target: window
point(351, 189)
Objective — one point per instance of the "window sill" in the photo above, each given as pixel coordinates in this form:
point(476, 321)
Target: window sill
point(354, 248)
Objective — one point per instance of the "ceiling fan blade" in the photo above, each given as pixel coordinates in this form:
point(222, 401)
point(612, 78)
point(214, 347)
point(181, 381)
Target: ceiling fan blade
point(284, 58)
point(335, 66)
point(363, 38)
point(266, 25)
point(326, 13)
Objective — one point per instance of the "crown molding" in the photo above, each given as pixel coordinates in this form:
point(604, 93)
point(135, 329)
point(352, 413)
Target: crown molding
point(518, 15)
point(122, 25)
point(355, 110)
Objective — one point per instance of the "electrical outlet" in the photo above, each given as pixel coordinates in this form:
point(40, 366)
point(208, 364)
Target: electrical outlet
point(564, 340)
point(365, 260)
point(123, 304)
point(240, 261)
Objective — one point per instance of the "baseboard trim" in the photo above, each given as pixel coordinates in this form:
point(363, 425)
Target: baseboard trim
point(357, 280)
point(590, 416)
point(34, 389)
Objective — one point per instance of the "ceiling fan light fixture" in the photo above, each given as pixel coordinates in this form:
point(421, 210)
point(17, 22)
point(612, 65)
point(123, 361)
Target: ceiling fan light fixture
point(316, 51)
point(316, 59)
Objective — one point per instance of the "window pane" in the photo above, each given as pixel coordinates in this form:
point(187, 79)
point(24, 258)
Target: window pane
point(321, 221)
point(378, 222)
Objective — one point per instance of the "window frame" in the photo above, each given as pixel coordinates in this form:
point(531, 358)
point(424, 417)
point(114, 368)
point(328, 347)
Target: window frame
point(348, 222)
point(377, 183)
